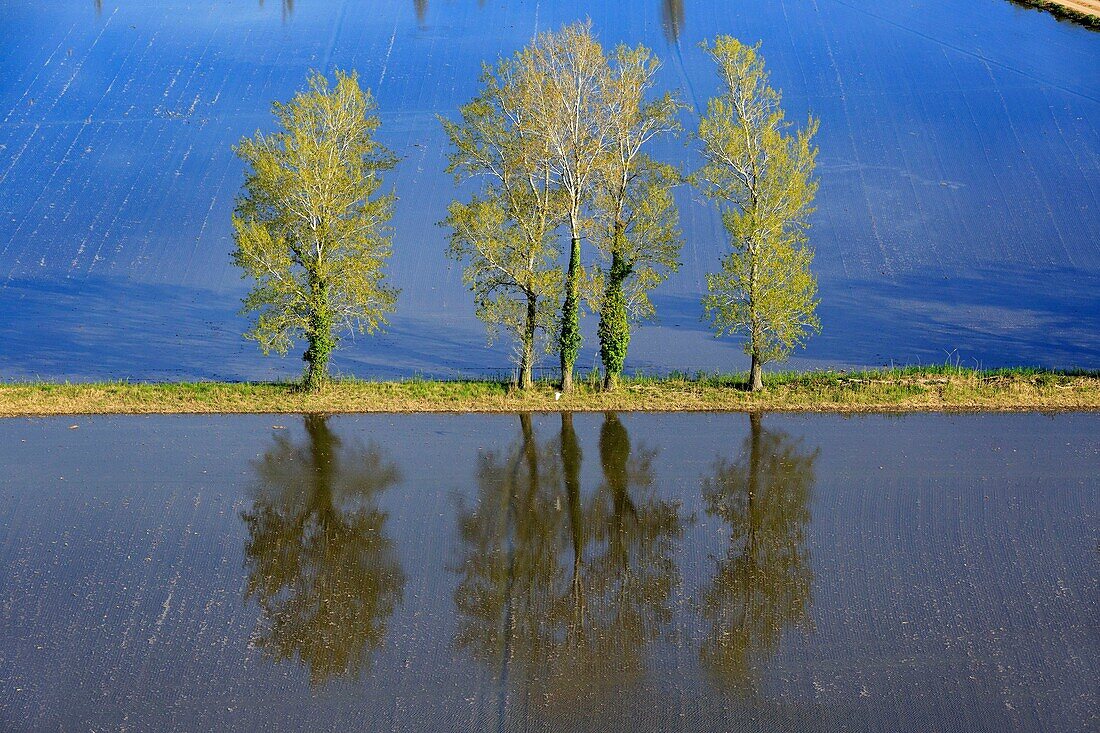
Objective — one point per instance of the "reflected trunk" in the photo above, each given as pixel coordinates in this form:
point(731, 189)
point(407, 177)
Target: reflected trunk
point(321, 566)
point(762, 584)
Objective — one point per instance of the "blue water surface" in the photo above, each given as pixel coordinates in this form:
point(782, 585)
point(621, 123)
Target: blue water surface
point(957, 215)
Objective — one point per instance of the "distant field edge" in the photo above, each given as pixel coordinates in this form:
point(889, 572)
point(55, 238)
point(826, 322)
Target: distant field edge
point(1083, 12)
point(945, 389)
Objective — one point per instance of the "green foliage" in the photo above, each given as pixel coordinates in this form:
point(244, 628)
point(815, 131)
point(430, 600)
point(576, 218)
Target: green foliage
point(634, 218)
point(562, 77)
point(614, 327)
point(761, 176)
point(557, 132)
point(503, 272)
point(569, 336)
point(310, 225)
point(506, 235)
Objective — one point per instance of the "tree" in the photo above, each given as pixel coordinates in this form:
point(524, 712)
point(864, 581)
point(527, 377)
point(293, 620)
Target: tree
point(635, 215)
point(563, 75)
point(321, 566)
point(506, 235)
point(761, 176)
point(310, 225)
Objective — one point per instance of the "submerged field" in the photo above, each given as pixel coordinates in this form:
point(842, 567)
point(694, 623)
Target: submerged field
point(900, 390)
point(633, 573)
point(957, 215)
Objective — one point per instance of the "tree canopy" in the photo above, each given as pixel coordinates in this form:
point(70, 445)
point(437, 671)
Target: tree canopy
point(506, 233)
point(636, 222)
point(761, 175)
point(311, 226)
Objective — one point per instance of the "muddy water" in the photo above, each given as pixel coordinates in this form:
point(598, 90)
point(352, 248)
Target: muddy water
point(957, 216)
point(554, 572)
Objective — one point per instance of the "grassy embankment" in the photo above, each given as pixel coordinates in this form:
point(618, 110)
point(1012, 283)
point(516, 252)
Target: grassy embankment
point(1084, 12)
point(889, 390)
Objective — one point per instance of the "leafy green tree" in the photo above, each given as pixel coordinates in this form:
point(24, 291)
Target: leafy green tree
point(636, 219)
point(562, 76)
point(310, 225)
point(506, 235)
point(761, 176)
point(321, 566)
point(762, 585)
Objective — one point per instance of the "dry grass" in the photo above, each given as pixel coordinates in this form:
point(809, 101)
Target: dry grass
point(1083, 12)
point(903, 390)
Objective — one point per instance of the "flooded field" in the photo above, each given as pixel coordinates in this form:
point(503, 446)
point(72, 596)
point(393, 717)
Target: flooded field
point(553, 572)
point(959, 168)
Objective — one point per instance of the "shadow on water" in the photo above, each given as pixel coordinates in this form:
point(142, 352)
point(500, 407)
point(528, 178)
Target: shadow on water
point(565, 590)
point(321, 568)
point(762, 585)
point(1025, 322)
point(108, 328)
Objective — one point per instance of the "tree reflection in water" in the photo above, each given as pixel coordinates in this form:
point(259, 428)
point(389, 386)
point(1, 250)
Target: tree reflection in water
point(762, 585)
point(288, 8)
point(566, 590)
point(320, 566)
point(420, 7)
point(672, 19)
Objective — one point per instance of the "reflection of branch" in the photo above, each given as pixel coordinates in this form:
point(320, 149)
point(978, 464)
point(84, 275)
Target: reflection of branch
point(571, 458)
point(321, 568)
point(569, 588)
point(763, 583)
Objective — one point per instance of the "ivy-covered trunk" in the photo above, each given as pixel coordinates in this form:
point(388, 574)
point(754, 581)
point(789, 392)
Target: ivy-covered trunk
point(614, 328)
point(319, 336)
point(570, 339)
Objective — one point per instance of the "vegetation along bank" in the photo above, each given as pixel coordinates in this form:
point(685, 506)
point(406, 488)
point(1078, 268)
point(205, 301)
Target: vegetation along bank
point(890, 390)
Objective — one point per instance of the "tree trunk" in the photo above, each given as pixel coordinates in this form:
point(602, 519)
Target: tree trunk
point(527, 360)
point(570, 341)
point(320, 339)
point(756, 376)
point(316, 370)
point(614, 328)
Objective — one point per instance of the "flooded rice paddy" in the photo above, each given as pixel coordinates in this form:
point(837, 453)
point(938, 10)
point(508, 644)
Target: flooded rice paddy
point(959, 169)
point(550, 572)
